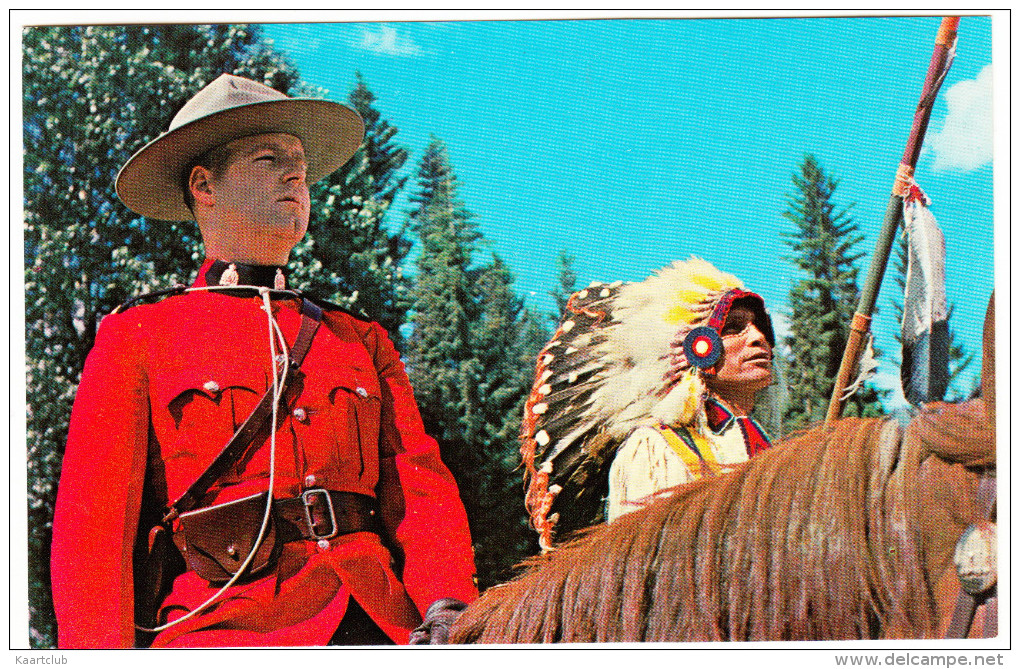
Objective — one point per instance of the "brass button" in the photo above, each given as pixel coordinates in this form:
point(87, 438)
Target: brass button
point(361, 392)
point(310, 480)
point(212, 386)
point(300, 414)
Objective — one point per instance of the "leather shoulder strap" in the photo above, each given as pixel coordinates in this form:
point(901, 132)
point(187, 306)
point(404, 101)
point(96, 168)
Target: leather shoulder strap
point(311, 318)
point(178, 289)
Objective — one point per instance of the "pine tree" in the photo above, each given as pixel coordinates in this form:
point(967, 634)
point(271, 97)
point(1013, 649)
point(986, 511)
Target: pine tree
point(471, 358)
point(566, 279)
point(442, 293)
point(959, 359)
point(384, 157)
point(506, 339)
point(824, 301)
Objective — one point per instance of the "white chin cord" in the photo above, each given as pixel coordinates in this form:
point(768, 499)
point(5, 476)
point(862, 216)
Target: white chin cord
point(275, 337)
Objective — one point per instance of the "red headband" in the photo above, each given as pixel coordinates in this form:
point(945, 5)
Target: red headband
point(722, 310)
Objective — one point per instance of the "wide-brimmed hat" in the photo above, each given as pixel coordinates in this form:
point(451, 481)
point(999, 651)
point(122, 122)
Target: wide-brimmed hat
point(229, 108)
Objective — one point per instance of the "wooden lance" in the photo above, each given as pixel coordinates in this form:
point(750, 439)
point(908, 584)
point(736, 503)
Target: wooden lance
point(945, 43)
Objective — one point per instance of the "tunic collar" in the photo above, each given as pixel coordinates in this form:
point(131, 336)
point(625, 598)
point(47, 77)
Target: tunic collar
point(718, 416)
point(219, 273)
point(719, 419)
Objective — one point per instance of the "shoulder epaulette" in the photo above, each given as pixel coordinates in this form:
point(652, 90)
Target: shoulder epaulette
point(150, 297)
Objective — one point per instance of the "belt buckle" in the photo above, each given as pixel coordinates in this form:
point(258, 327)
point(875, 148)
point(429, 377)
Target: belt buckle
point(307, 498)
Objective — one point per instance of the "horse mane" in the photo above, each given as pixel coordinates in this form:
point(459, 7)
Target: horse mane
point(814, 539)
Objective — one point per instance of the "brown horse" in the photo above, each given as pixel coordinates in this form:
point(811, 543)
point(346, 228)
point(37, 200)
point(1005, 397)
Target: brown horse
point(840, 532)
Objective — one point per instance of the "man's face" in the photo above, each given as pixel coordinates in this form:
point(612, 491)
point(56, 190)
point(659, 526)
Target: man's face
point(262, 196)
point(746, 363)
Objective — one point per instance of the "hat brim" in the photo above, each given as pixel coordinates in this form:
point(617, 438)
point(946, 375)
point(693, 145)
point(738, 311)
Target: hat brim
point(150, 182)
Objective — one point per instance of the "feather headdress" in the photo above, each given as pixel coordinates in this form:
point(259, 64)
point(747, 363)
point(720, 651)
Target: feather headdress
point(616, 361)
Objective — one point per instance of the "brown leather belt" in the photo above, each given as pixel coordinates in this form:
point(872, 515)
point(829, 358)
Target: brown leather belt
point(320, 514)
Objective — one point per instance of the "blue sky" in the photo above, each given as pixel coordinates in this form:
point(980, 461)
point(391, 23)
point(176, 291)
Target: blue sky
point(632, 143)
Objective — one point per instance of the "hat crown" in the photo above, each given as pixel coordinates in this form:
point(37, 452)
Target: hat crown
point(225, 92)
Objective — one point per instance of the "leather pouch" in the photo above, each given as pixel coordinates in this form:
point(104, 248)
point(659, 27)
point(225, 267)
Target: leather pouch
point(216, 540)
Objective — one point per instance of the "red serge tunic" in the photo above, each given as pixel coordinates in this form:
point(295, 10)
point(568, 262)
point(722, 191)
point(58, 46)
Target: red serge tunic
point(176, 378)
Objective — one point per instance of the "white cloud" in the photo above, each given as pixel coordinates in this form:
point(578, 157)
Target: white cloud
point(386, 40)
point(964, 142)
